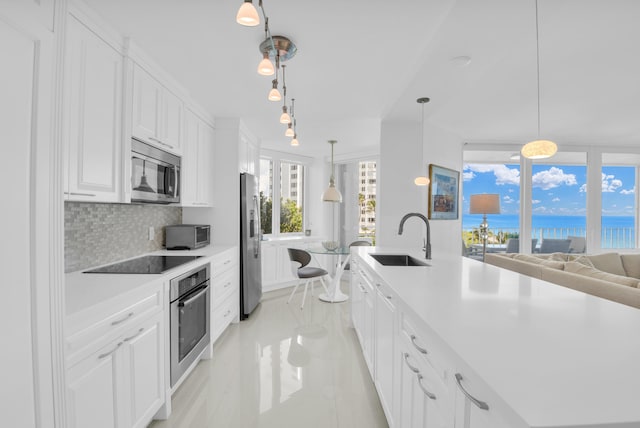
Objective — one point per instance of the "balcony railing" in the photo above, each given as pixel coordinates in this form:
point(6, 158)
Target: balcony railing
point(612, 237)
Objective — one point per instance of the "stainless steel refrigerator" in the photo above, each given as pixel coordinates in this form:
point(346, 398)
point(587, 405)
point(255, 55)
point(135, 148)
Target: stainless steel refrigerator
point(250, 254)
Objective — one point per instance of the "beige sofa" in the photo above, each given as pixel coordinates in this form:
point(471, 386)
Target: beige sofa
point(611, 276)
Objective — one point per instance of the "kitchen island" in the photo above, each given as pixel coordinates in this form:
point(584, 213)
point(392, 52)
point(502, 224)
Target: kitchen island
point(536, 354)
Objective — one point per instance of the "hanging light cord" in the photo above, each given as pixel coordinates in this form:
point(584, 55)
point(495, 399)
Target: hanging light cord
point(284, 88)
point(538, 67)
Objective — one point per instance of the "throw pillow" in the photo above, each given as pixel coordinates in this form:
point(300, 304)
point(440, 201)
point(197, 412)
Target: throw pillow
point(540, 261)
point(559, 257)
point(582, 260)
point(631, 264)
point(581, 269)
point(608, 262)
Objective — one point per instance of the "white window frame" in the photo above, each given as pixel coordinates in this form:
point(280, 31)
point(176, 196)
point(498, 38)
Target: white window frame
point(277, 158)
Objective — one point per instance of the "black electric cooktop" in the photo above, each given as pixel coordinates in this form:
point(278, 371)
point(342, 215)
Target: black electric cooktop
point(145, 264)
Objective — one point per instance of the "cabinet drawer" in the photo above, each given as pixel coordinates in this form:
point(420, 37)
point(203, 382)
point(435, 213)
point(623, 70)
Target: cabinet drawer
point(223, 314)
point(118, 319)
point(224, 261)
point(428, 380)
point(427, 349)
point(223, 285)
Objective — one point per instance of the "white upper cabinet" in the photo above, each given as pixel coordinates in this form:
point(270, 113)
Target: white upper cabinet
point(197, 163)
point(248, 154)
point(158, 114)
point(93, 116)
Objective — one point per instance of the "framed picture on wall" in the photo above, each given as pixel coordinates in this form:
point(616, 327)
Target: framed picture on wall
point(443, 193)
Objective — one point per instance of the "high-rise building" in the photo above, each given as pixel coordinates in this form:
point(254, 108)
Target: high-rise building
point(367, 196)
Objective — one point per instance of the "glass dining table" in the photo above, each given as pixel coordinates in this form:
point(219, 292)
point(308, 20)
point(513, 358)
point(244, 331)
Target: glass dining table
point(335, 295)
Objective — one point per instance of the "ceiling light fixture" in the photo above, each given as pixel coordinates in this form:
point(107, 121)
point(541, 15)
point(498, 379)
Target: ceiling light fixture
point(332, 194)
point(247, 14)
point(422, 180)
point(538, 149)
point(289, 132)
point(274, 49)
point(284, 117)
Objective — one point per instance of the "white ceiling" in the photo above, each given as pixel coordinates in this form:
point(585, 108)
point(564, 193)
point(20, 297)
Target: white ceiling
point(361, 62)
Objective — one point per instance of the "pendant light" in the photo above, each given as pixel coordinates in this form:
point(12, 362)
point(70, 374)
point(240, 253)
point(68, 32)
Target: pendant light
point(265, 68)
point(538, 149)
point(290, 132)
point(247, 14)
point(284, 117)
point(422, 180)
point(332, 194)
point(274, 94)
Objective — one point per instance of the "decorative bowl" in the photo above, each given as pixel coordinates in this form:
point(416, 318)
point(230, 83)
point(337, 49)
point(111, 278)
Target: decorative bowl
point(330, 245)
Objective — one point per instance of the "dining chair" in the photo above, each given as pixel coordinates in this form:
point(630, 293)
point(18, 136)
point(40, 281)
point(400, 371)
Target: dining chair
point(357, 244)
point(300, 269)
point(555, 246)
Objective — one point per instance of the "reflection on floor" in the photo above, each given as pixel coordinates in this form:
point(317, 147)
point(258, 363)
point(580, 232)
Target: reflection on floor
point(283, 367)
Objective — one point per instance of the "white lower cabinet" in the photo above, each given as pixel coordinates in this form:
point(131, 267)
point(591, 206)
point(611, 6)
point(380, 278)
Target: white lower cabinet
point(225, 303)
point(92, 398)
point(121, 384)
point(384, 346)
point(421, 383)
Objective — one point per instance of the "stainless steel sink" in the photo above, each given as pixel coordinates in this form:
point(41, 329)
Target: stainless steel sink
point(398, 260)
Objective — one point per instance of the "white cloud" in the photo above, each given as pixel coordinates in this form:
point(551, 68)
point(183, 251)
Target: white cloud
point(628, 191)
point(507, 199)
point(555, 200)
point(553, 177)
point(535, 201)
point(610, 183)
point(503, 174)
point(467, 176)
point(540, 209)
point(583, 188)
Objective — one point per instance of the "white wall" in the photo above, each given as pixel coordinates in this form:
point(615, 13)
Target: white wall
point(400, 161)
point(397, 195)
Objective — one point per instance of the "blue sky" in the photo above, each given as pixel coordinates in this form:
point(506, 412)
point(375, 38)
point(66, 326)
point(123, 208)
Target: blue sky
point(557, 189)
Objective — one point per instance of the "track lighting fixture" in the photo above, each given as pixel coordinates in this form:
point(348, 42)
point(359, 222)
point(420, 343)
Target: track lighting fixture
point(274, 49)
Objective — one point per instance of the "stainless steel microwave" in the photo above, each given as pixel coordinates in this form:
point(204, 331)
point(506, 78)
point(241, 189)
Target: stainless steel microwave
point(155, 174)
point(187, 236)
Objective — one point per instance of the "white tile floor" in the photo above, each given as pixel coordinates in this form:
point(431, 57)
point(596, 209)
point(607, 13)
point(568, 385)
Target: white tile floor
point(283, 367)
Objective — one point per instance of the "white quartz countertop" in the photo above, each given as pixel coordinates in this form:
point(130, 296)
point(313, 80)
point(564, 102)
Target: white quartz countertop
point(557, 357)
point(83, 290)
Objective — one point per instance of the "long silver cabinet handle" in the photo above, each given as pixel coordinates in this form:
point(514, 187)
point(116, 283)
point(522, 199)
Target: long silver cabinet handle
point(135, 335)
point(364, 290)
point(481, 404)
point(406, 360)
point(129, 315)
point(80, 194)
point(415, 345)
point(106, 354)
point(161, 142)
point(429, 394)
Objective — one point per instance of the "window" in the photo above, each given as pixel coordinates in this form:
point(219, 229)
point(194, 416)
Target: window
point(500, 178)
point(282, 180)
point(619, 208)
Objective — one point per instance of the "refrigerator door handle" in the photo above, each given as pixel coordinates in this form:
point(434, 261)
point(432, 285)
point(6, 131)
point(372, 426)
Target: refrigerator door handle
point(256, 225)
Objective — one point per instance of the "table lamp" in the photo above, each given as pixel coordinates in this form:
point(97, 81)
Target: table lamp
point(485, 203)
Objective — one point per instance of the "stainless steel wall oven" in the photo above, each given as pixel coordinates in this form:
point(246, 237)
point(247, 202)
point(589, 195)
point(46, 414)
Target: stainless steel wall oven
point(190, 323)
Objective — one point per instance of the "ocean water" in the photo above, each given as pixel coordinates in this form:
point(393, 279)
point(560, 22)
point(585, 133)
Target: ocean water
point(617, 231)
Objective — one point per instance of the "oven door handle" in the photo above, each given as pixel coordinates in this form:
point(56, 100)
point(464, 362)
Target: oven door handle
point(194, 297)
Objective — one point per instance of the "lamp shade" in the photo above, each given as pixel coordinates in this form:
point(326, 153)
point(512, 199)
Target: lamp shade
point(332, 194)
point(485, 203)
point(247, 15)
point(539, 149)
